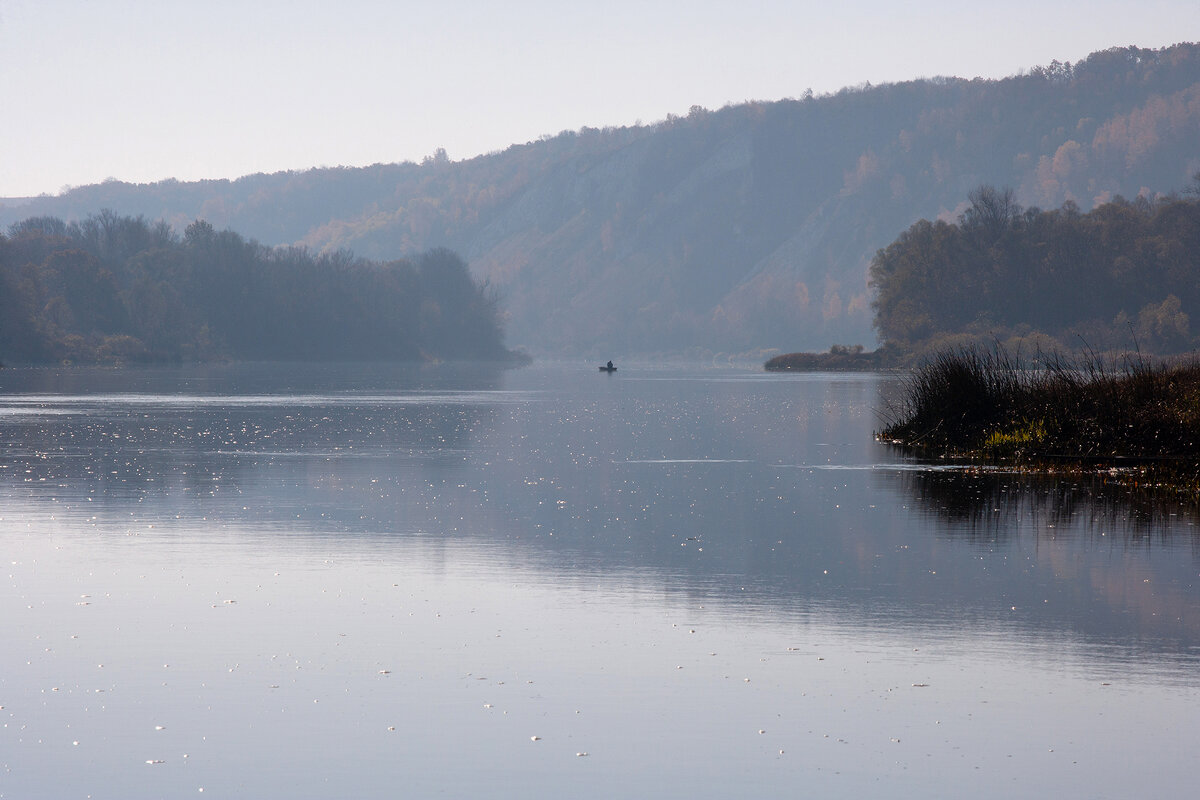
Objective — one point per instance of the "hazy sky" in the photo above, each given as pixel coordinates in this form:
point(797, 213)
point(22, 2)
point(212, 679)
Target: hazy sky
point(147, 89)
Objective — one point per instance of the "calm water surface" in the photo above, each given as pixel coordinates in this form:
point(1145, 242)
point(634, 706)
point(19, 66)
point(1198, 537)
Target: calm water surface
point(373, 581)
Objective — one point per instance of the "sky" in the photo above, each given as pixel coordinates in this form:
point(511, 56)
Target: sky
point(143, 90)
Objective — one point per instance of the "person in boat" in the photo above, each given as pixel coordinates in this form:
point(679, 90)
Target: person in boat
point(609, 366)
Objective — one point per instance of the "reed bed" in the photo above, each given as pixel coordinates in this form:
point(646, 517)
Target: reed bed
point(989, 405)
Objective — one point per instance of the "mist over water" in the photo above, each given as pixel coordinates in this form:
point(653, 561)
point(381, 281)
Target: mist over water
point(364, 580)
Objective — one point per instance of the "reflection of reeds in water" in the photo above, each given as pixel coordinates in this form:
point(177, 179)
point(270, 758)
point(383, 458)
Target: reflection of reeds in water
point(992, 506)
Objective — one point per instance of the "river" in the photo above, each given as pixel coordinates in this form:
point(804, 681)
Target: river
point(377, 581)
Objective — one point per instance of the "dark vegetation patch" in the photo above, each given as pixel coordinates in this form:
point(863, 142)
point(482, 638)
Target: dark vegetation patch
point(840, 358)
point(1136, 415)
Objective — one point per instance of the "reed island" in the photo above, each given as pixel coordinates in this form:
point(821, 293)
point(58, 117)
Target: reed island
point(1136, 418)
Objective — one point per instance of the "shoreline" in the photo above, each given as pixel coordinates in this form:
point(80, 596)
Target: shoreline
point(1138, 422)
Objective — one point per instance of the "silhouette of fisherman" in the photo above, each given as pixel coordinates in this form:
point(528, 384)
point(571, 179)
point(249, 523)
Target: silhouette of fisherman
point(610, 366)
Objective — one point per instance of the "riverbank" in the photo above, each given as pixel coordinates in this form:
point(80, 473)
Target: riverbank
point(1137, 418)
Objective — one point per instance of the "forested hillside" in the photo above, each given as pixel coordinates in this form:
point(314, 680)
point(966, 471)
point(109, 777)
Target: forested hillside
point(748, 227)
point(118, 289)
point(1124, 275)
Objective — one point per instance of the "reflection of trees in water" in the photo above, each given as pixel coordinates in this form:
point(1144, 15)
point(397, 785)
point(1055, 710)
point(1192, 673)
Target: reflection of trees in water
point(156, 450)
point(993, 505)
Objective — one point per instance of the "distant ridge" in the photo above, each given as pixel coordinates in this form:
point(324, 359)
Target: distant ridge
point(735, 230)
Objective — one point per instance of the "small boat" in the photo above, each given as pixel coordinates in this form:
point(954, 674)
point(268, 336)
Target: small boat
point(608, 367)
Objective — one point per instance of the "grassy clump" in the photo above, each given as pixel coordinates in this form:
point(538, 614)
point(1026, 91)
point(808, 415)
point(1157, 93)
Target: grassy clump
point(1011, 443)
point(987, 404)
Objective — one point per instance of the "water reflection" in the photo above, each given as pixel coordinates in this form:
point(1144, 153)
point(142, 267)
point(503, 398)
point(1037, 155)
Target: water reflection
point(994, 505)
point(393, 577)
point(764, 494)
point(216, 434)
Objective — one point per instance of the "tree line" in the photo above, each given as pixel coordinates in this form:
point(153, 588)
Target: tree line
point(1124, 275)
point(115, 288)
